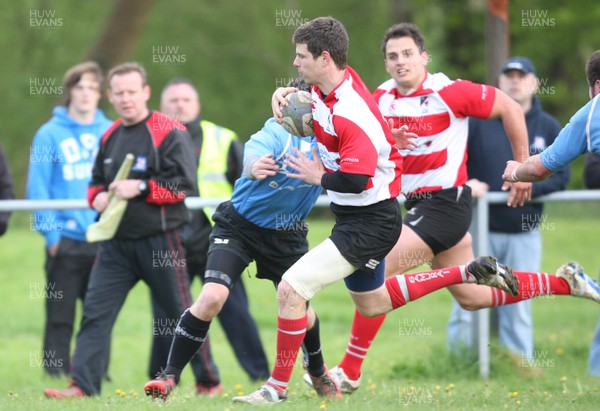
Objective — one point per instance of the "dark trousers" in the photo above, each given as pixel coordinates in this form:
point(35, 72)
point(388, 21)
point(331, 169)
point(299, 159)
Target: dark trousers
point(241, 332)
point(120, 264)
point(67, 275)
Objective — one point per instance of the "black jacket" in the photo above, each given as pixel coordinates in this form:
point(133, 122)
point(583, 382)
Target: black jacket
point(489, 149)
point(163, 157)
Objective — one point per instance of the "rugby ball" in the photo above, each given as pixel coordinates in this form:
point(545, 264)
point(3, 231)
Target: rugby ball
point(297, 115)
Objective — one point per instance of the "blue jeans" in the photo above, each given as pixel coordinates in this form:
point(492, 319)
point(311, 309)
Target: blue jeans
point(522, 252)
point(594, 361)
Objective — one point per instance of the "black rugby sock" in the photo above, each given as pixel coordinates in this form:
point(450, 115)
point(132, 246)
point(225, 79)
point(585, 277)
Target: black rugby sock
point(312, 344)
point(190, 334)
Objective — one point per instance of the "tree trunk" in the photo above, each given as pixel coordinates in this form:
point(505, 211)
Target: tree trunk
point(121, 32)
point(401, 11)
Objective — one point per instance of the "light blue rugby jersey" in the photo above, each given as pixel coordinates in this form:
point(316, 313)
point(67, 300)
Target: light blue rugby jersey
point(580, 135)
point(277, 202)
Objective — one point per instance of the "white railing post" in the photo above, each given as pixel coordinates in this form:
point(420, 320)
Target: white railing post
point(481, 323)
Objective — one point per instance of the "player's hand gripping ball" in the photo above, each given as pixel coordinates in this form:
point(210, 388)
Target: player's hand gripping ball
point(297, 115)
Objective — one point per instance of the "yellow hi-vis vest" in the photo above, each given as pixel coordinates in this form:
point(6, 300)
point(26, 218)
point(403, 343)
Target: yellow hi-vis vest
point(212, 166)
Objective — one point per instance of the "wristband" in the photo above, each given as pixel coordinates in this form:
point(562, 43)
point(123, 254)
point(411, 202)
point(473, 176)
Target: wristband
point(514, 175)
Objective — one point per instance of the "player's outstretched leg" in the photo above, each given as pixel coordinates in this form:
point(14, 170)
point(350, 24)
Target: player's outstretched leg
point(489, 271)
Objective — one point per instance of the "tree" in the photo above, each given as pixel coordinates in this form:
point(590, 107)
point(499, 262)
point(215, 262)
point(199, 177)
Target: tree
point(122, 30)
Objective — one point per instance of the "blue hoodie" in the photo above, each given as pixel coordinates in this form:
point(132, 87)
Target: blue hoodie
point(60, 164)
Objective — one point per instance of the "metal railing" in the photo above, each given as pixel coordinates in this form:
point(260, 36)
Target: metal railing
point(479, 231)
point(193, 203)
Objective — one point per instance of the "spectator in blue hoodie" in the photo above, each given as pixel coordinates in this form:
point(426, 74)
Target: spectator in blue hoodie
point(60, 165)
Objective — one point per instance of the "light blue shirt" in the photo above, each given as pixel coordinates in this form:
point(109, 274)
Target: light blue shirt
point(277, 202)
point(580, 135)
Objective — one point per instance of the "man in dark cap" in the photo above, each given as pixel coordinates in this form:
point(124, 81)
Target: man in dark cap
point(515, 233)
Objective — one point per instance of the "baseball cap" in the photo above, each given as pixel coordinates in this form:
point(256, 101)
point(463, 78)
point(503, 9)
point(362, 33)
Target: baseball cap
point(523, 64)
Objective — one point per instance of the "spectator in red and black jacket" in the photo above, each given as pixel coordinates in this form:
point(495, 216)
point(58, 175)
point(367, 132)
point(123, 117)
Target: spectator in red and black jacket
point(147, 245)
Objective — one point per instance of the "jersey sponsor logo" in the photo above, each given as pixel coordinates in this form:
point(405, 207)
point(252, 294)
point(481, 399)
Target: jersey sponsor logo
point(483, 92)
point(221, 241)
point(422, 277)
point(141, 164)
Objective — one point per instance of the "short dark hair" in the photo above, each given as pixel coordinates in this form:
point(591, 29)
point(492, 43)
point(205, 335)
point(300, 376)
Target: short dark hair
point(128, 68)
point(325, 34)
point(73, 76)
point(592, 68)
point(404, 30)
point(180, 80)
point(300, 84)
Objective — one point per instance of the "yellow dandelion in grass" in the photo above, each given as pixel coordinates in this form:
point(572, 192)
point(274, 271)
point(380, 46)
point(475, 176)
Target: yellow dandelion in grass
point(323, 405)
point(120, 392)
point(225, 395)
point(563, 380)
point(514, 394)
point(449, 387)
point(559, 351)
point(437, 388)
point(238, 387)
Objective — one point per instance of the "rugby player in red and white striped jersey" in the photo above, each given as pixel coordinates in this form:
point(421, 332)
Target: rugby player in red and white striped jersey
point(438, 201)
point(360, 168)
